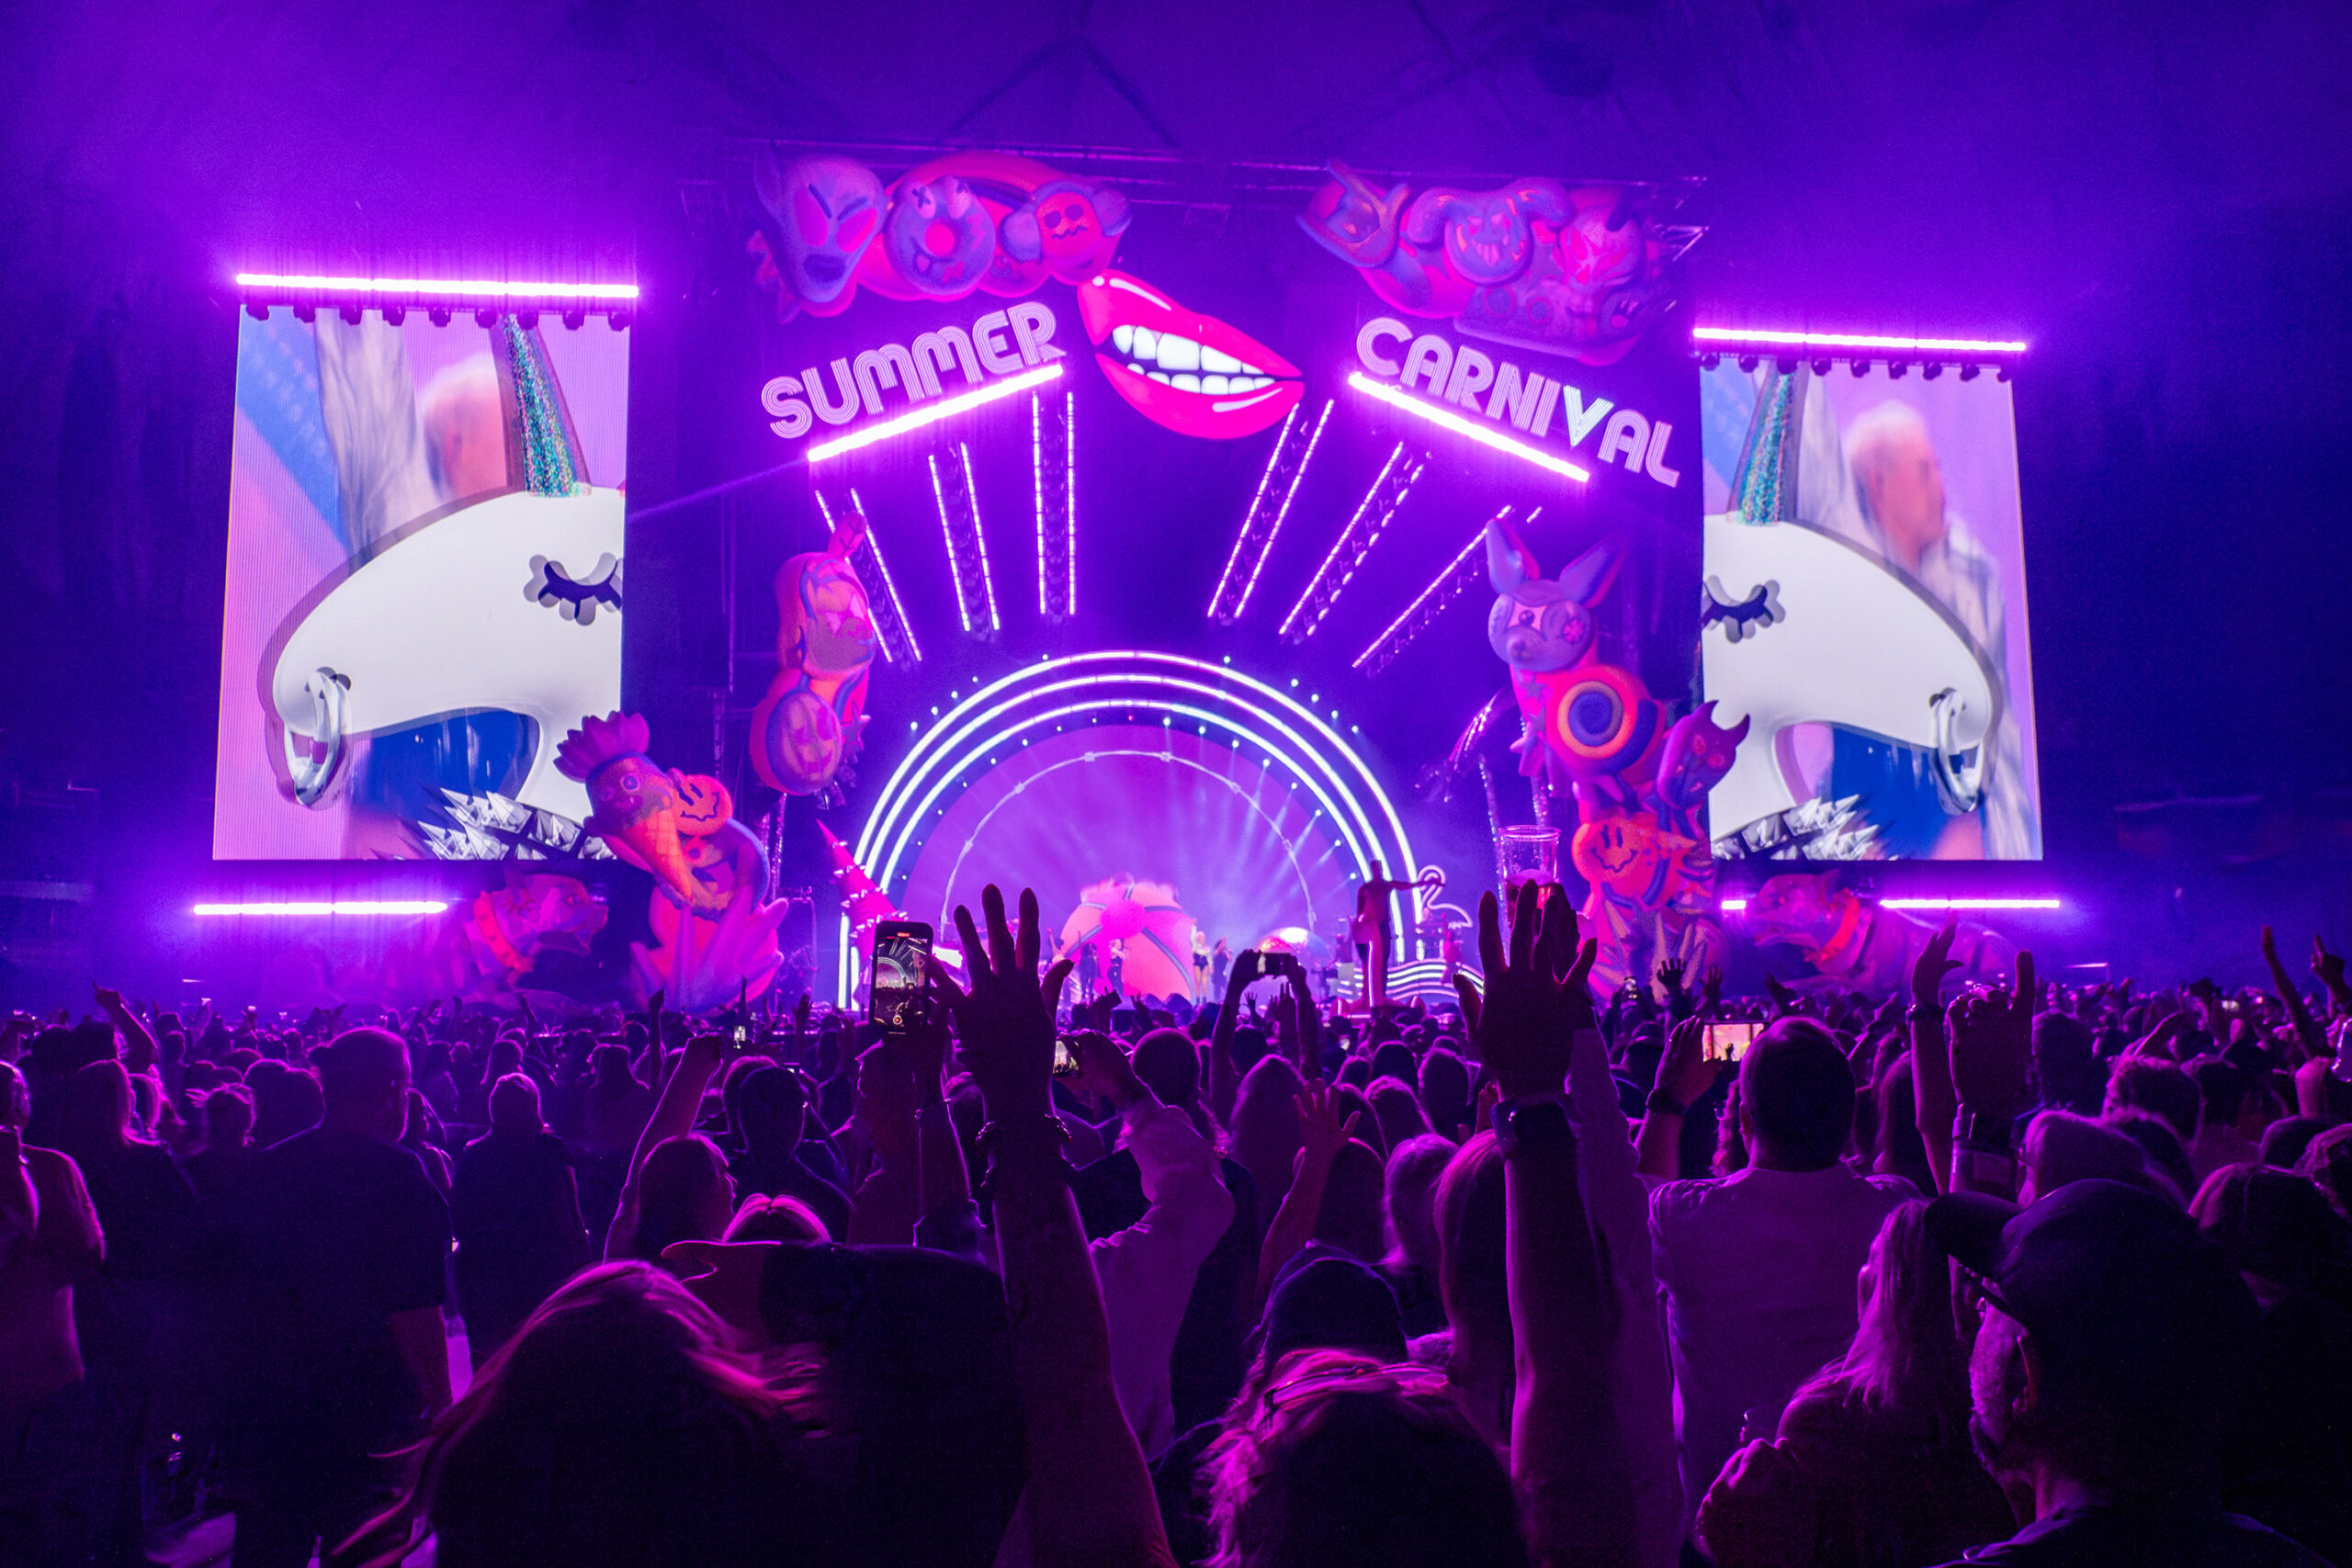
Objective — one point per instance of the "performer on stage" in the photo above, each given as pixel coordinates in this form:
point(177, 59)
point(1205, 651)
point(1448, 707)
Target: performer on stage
point(1369, 931)
point(1221, 965)
point(1200, 961)
point(1089, 969)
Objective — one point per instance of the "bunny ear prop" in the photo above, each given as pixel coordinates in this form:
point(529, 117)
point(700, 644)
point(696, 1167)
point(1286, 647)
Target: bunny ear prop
point(1509, 564)
point(1589, 576)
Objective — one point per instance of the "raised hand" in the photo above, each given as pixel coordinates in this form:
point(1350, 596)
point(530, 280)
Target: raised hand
point(1536, 997)
point(1669, 976)
point(1321, 1132)
point(1683, 1072)
point(1935, 962)
point(1103, 1069)
point(2328, 966)
point(1714, 985)
point(1785, 1000)
point(1992, 1039)
point(1005, 1021)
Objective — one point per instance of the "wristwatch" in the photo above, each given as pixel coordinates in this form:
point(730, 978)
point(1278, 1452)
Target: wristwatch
point(1539, 1122)
point(1662, 1103)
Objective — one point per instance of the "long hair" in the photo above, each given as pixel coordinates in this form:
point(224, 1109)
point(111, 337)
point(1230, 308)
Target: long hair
point(100, 1120)
point(620, 1407)
point(1905, 1364)
point(1340, 1458)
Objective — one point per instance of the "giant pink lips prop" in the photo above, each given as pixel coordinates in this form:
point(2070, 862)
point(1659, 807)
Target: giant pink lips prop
point(1190, 372)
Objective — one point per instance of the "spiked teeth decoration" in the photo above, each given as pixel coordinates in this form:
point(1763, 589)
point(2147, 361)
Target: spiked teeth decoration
point(1178, 368)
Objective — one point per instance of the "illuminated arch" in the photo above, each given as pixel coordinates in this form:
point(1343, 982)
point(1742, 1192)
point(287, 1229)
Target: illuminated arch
point(1287, 736)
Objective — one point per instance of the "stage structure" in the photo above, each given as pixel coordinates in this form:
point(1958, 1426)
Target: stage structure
point(1192, 548)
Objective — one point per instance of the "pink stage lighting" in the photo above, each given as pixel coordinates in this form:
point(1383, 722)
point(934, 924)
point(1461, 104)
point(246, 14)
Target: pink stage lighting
point(932, 413)
point(1449, 420)
point(435, 287)
point(353, 906)
point(1770, 337)
point(1969, 904)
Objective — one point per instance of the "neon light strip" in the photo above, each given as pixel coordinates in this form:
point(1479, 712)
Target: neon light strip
point(1738, 903)
point(1363, 847)
point(1442, 579)
point(1037, 481)
point(979, 535)
point(1446, 419)
point(947, 532)
point(453, 287)
point(1307, 596)
point(906, 626)
point(1241, 537)
point(1070, 496)
point(354, 907)
point(1298, 474)
point(1855, 339)
point(932, 413)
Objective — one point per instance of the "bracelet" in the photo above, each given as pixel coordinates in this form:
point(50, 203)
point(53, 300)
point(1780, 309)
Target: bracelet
point(1661, 1103)
point(1538, 1122)
point(1981, 1130)
point(1985, 1168)
point(1921, 1012)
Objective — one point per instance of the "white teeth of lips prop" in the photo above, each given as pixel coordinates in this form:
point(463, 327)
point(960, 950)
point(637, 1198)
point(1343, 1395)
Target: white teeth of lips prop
point(1189, 372)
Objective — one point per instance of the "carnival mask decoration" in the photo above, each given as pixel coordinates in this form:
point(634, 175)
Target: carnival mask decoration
point(644, 813)
point(1487, 235)
point(939, 237)
point(809, 724)
point(829, 211)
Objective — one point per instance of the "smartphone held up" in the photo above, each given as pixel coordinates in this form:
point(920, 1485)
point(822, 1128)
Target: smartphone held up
point(901, 1000)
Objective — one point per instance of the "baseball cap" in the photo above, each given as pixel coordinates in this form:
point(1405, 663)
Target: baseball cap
point(2108, 1279)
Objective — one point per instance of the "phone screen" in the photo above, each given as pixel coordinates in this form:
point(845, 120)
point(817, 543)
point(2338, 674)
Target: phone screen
point(901, 965)
point(1729, 1041)
point(1064, 1058)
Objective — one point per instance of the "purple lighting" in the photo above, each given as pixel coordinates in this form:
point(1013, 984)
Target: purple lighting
point(1969, 904)
point(356, 907)
point(1447, 419)
point(1854, 340)
point(932, 413)
point(439, 288)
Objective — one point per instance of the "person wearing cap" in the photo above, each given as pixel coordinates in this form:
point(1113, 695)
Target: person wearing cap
point(2106, 1349)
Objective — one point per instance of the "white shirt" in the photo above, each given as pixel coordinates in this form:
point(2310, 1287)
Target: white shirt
point(1758, 1275)
point(1147, 1271)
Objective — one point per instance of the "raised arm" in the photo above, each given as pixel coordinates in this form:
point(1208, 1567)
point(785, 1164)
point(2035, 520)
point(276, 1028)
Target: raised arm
point(1991, 1038)
point(1567, 1449)
point(1224, 1084)
point(1684, 1075)
point(1322, 1136)
point(2306, 1030)
point(1931, 1092)
point(2329, 968)
point(1088, 1499)
point(137, 1041)
point(674, 1116)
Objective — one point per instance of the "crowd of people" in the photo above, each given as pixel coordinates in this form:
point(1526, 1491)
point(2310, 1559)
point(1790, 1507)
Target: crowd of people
point(2035, 1274)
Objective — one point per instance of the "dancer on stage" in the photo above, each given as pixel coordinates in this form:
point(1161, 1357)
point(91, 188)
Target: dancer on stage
point(1369, 931)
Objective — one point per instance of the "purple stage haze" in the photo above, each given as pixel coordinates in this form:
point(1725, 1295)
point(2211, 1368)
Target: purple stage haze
point(1245, 853)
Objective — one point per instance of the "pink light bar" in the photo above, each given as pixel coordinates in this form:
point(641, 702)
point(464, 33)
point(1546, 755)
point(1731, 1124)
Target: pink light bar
point(932, 413)
point(354, 907)
point(1447, 419)
point(1460, 559)
point(1854, 340)
point(450, 288)
point(1738, 903)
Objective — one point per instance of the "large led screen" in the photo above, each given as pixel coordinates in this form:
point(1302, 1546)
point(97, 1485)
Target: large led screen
point(1864, 616)
point(425, 584)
